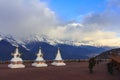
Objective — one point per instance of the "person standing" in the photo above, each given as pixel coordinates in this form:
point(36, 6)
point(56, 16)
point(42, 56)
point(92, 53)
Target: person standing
point(92, 63)
point(110, 66)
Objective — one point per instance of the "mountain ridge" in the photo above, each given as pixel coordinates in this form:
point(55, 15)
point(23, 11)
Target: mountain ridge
point(30, 47)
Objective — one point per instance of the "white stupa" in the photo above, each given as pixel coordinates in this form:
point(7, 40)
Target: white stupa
point(58, 60)
point(39, 61)
point(16, 61)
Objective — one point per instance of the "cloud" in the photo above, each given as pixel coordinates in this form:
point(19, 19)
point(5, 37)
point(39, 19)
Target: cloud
point(95, 28)
point(21, 17)
point(114, 3)
point(78, 32)
point(106, 20)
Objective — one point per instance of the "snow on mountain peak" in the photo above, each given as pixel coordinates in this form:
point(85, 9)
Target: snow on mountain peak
point(45, 38)
point(10, 39)
point(1, 38)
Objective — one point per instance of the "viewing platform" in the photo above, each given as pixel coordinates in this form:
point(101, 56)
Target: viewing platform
point(72, 71)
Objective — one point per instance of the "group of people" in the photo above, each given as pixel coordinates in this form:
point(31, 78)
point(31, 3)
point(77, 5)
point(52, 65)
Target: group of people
point(92, 62)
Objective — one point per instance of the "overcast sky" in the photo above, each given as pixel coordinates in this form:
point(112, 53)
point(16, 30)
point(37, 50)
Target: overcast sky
point(80, 20)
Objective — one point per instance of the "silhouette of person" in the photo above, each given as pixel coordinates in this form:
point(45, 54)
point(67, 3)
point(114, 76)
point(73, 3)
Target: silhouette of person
point(92, 63)
point(110, 66)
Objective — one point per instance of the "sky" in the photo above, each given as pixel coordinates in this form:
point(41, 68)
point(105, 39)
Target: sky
point(91, 21)
point(71, 9)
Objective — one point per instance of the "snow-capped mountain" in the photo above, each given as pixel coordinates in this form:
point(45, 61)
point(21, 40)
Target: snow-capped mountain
point(9, 39)
point(1, 38)
point(12, 41)
point(45, 38)
point(30, 46)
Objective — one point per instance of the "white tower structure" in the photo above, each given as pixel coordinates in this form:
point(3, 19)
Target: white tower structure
point(58, 60)
point(39, 61)
point(16, 61)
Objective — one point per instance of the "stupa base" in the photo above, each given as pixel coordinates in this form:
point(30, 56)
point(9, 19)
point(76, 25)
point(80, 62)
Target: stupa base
point(16, 66)
point(58, 64)
point(39, 64)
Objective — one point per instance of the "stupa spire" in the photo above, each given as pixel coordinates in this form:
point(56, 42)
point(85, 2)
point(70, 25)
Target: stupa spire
point(58, 59)
point(16, 61)
point(58, 56)
point(16, 53)
point(39, 53)
point(39, 61)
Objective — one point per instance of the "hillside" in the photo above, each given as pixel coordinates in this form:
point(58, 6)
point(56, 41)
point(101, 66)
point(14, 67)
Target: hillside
point(106, 54)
